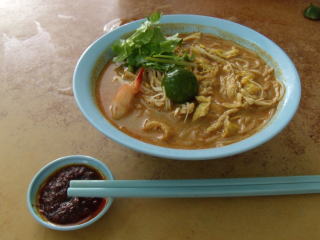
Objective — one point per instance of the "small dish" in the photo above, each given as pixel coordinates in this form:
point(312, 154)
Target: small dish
point(49, 169)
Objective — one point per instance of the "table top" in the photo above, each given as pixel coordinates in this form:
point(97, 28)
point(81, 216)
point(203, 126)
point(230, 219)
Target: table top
point(40, 44)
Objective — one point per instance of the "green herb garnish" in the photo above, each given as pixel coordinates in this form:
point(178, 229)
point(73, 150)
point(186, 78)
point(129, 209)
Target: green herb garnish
point(148, 47)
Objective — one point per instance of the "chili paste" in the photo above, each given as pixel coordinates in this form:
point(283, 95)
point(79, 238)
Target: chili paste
point(54, 203)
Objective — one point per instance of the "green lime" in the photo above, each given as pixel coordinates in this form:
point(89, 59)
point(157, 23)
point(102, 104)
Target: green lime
point(180, 85)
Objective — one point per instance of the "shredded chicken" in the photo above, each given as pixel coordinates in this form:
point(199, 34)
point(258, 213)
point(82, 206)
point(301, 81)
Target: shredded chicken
point(219, 122)
point(184, 110)
point(157, 126)
point(192, 37)
point(203, 107)
point(200, 50)
point(225, 54)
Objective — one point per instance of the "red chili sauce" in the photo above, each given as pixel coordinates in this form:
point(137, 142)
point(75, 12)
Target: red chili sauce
point(54, 203)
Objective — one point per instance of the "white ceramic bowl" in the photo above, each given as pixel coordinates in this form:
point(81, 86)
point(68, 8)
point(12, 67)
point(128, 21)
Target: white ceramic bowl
point(87, 71)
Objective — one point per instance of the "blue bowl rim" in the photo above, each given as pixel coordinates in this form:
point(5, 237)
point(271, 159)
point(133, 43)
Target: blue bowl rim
point(54, 165)
point(249, 143)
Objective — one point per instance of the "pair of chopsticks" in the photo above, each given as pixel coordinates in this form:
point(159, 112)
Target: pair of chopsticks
point(229, 187)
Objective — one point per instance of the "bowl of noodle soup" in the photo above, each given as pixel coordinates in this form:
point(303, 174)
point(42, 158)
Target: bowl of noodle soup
point(248, 91)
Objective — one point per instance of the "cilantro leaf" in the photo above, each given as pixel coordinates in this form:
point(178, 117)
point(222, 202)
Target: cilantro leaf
point(170, 43)
point(147, 41)
point(154, 17)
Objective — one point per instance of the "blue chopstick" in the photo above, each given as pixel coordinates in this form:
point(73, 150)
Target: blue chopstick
point(230, 187)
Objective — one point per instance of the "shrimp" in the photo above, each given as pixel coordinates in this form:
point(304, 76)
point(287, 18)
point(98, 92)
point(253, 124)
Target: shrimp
point(122, 102)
